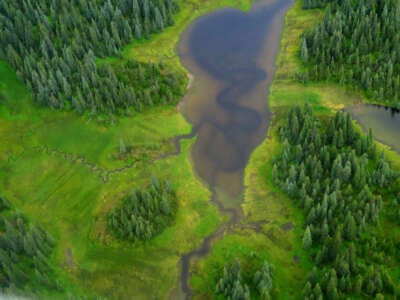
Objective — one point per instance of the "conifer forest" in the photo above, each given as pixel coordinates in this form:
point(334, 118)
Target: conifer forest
point(200, 149)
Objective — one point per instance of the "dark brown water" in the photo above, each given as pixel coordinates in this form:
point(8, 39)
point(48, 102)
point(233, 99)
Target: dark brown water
point(231, 55)
point(384, 122)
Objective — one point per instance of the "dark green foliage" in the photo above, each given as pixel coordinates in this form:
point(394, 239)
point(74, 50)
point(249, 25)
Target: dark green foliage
point(263, 281)
point(53, 45)
point(4, 204)
point(25, 249)
point(357, 43)
point(233, 286)
point(307, 238)
point(316, 3)
point(144, 214)
point(339, 180)
point(154, 85)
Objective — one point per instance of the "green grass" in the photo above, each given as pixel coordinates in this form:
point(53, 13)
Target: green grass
point(286, 91)
point(163, 46)
point(52, 166)
point(71, 200)
point(268, 209)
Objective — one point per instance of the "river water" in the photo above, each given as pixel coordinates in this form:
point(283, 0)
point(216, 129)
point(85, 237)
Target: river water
point(232, 56)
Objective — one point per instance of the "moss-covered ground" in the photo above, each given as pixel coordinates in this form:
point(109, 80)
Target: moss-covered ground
point(66, 172)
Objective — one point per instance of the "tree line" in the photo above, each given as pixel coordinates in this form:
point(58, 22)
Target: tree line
point(356, 43)
point(54, 45)
point(144, 214)
point(233, 286)
point(335, 174)
point(308, 4)
point(25, 250)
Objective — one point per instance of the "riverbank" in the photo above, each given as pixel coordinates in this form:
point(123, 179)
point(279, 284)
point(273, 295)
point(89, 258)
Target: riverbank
point(163, 45)
point(64, 171)
point(272, 228)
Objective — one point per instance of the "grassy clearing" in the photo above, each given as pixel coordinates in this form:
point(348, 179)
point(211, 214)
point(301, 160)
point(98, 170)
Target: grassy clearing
point(70, 198)
point(62, 170)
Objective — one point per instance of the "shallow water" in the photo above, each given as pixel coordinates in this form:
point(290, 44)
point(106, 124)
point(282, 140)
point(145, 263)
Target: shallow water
point(384, 122)
point(232, 57)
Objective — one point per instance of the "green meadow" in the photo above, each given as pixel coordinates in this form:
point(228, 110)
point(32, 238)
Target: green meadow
point(66, 172)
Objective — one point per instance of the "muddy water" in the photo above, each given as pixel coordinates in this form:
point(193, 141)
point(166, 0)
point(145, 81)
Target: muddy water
point(384, 122)
point(231, 55)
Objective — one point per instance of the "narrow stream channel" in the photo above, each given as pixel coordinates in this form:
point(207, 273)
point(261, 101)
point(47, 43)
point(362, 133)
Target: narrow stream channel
point(232, 56)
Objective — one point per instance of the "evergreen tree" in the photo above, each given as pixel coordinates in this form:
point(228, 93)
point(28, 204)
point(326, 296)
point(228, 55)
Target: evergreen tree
point(307, 238)
point(346, 51)
point(338, 185)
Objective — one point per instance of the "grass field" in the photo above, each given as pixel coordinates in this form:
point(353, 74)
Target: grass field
point(54, 168)
point(65, 172)
point(268, 212)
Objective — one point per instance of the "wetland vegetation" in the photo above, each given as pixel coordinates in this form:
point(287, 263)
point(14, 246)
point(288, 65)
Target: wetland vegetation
point(89, 114)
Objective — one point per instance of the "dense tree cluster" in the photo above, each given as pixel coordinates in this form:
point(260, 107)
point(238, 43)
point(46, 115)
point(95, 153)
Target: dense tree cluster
point(315, 3)
point(25, 249)
point(153, 84)
point(144, 214)
point(339, 180)
point(233, 286)
point(53, 45)
point(357, 43)
point(263, 281)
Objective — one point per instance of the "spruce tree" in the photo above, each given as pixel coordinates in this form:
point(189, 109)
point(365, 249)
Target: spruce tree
point(307, 238)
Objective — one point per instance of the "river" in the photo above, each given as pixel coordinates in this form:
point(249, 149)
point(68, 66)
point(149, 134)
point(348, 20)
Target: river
point(231, 55)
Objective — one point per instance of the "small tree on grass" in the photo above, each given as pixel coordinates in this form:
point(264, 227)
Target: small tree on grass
point(307, 238)
point(122, 147)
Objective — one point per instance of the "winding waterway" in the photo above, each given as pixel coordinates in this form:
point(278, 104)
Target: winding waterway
point(231, 55)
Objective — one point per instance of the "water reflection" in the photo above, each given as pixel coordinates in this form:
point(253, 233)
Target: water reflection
point(384, 122)
point(232, 55)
